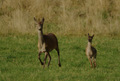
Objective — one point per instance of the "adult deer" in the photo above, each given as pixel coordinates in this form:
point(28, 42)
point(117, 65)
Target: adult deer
point(46, 43)
point(91, 52)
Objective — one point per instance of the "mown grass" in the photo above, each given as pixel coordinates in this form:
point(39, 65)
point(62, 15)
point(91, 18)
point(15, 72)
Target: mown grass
point(19, 60)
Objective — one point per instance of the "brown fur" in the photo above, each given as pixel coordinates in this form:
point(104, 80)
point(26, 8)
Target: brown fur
point(51, 42)
point(46, 43)
point(91, 52)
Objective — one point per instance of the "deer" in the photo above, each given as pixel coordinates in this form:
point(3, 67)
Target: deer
point(46, 43)
point(91, 52)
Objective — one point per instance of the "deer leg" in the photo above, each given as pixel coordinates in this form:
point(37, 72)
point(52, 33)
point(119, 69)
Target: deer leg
point(90, 62)
point(58, 57)
point(49, 59)
point(46, 53)
point(39, 58)
point(94, 61)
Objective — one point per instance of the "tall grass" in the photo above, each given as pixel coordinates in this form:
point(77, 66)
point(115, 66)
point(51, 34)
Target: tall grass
point(64, 17)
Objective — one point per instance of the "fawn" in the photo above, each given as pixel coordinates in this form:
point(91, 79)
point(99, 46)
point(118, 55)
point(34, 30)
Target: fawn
point(91, 52)
point(46, 43)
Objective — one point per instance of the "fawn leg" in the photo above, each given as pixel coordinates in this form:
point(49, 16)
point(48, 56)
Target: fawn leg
point(49, 59)
point(90, 62)
point(58, 57)
point(39, 58)
point(94, 61)
point(46, 53)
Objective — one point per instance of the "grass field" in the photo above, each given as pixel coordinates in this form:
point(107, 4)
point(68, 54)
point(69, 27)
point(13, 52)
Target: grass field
point(70, 20)
point(19, 60)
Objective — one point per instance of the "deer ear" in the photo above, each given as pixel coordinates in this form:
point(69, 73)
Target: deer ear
point(88, 34)
point(35, 19)
point(43, 19)
point(93, 35)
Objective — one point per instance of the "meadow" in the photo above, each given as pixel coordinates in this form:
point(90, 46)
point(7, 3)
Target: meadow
point(70, 21)
point(19, 59)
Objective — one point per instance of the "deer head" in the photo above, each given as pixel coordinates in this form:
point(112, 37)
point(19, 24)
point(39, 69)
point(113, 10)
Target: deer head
point(90, 37)
point(39, 23)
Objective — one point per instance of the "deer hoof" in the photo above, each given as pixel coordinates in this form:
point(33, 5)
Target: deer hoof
point(59, 65)
point(42, 63)
point(91, 66)
point(94, 66)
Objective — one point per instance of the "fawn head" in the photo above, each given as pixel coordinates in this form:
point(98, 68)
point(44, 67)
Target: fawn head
point(39, 23)
point(90, 37)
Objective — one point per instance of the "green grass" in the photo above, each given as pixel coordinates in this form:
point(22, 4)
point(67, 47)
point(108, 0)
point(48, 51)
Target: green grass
point(19, 60)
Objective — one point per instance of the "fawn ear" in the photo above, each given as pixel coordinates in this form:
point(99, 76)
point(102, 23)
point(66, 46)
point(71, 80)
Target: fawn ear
point(93, 35)
point(88, 34)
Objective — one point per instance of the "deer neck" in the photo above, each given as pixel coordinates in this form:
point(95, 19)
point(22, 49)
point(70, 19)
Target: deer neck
point(40, 38)
point(89, 44)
